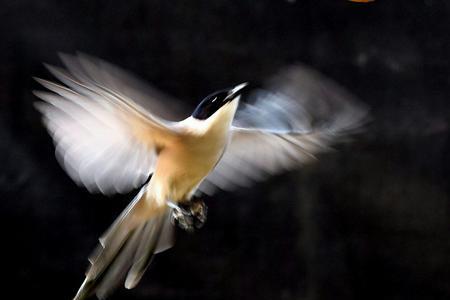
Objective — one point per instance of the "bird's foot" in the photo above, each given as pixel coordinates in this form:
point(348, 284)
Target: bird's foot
point(190, 215)
point(199, 211)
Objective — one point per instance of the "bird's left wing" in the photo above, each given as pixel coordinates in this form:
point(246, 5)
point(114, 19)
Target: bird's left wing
point(298, 114)
point(105, 138)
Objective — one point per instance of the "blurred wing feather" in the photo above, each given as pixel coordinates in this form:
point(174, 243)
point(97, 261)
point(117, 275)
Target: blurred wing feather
point(299, 114)
point(104, 140)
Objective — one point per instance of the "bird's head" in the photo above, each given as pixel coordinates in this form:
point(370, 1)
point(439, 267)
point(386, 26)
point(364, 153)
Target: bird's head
point(220, 102)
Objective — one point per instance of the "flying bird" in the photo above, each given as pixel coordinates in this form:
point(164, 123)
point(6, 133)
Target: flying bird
point(112, 132)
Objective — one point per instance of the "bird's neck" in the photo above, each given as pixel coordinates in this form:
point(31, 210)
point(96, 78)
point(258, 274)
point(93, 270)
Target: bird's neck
point(220, 122)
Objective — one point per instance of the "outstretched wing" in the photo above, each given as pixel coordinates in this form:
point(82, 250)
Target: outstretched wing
point(105, 139)
point(298, 114)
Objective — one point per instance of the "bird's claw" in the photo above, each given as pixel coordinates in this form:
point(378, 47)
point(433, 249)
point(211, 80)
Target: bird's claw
point(190, 215)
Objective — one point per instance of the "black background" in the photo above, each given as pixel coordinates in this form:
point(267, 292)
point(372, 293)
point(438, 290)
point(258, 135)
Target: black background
point(370, 221)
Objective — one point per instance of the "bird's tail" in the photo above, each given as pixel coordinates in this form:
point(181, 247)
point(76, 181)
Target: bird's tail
point(126, 249)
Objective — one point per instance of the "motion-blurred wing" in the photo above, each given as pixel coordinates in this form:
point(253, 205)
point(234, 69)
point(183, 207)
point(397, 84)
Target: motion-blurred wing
point(299, 114)
point(104, 139)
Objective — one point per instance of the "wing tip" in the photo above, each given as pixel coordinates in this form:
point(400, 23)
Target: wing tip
point(41, 95)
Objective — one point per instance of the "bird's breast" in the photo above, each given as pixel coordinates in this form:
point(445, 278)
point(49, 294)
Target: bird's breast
point(182, 166)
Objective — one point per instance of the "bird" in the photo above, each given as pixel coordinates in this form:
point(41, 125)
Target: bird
point(114, 133)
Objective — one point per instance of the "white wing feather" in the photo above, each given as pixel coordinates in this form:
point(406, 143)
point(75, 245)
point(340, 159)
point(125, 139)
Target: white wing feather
point(104, 140)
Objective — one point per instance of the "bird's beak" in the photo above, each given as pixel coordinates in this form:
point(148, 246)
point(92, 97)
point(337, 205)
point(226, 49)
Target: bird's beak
point(237, 90)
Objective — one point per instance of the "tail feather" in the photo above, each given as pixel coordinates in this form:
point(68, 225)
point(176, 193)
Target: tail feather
point(126, 250)
point(118, 268)
point(144, 253)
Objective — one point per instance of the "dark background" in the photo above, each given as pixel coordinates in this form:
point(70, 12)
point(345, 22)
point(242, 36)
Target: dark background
point(370, 221)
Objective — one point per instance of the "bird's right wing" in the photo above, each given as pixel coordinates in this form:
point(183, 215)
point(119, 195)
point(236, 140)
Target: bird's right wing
point(297, 115)
point(105, 139)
